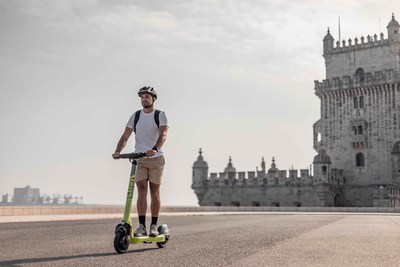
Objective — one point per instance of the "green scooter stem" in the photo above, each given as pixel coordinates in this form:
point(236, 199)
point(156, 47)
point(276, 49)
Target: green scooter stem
point(128, 203)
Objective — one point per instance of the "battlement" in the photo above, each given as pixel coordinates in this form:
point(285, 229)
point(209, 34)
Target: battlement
point(261, 178)
point(373, 54)
point(274, 178)
point(357, 80)
point(359, 44)
point(368, 42)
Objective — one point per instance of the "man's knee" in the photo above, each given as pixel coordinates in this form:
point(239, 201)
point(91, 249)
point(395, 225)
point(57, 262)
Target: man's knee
point(142, 187)
point(154, 190)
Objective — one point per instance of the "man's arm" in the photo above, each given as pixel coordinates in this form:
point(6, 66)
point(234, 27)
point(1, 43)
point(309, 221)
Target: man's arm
point(162, 136)
point(160, 141)
point(122, 142)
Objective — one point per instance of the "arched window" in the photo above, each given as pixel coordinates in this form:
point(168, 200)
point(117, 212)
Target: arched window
point(355, 102)
point(360, 129)
point(360, 161)
point(360, 74)
point(361, 101)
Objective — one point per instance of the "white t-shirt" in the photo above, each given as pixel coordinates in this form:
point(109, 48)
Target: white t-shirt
point(147, 131)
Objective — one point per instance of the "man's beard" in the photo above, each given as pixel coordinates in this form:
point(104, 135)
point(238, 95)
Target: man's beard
point(147, 105)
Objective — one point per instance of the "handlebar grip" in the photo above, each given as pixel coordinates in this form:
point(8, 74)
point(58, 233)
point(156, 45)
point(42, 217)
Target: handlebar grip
point(132, 155)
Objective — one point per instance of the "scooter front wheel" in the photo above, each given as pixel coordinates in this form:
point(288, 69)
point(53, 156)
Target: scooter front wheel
point(121, 242)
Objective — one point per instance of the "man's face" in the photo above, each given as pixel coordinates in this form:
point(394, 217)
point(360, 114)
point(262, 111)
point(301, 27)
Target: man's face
point(147, 100)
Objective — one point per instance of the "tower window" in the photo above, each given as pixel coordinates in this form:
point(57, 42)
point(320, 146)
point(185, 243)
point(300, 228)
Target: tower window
point(395, 31)
point(361, 102)
point(355, 102)
point(360, 129)
point(360, 160)
point(360, 74)
point(324, 170)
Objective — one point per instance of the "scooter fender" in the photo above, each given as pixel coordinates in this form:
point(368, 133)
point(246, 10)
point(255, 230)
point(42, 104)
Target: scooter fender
point(163, 229)
point(123, 228)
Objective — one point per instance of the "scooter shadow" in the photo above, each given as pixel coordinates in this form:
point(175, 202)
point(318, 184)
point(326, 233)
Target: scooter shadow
point(50, 259)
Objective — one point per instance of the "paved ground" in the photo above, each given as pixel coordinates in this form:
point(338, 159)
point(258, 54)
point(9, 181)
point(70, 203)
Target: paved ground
point(212, 240)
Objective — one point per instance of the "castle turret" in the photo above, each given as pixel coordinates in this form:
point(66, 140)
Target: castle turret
point(393, 30)
point(200, 171)
point(263, 165)
point(273, 173)
point(328, 43)
point(322, 166)
point(230, 170)
point(273, 168)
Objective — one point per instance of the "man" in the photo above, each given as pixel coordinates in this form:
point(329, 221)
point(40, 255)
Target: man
point(149, 138)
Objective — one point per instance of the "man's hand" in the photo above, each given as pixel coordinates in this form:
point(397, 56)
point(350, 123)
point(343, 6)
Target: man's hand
point(150, 153)
point(116, 155)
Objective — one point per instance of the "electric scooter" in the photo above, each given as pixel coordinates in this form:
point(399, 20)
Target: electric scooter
point(124, 230)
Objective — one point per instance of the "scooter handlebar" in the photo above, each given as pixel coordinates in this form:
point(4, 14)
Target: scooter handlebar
point(132, 155)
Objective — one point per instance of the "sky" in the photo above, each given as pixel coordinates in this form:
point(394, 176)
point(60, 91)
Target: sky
point(235, 78)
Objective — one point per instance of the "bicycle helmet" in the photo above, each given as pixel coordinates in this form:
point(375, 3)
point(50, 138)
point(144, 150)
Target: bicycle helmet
point(148, 90)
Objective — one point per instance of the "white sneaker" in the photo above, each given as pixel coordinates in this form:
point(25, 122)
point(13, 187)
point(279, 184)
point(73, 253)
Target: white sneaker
point(153, 231)
point(141, 231)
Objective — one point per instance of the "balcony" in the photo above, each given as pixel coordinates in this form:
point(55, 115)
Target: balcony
point(360, 141)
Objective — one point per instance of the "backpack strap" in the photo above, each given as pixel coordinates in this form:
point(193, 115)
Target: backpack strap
point(137, 115)
point(157, 117)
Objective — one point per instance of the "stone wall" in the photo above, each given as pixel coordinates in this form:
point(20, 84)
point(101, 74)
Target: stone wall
point(288, 196)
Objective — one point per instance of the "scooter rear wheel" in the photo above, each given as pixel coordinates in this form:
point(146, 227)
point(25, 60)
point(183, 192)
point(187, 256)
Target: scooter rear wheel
point(163, 244)
point(121, 242)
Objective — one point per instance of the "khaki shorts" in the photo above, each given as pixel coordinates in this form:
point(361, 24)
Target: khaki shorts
point(150, 169)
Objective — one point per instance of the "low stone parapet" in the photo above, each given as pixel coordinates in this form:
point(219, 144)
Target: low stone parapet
point(54, 210)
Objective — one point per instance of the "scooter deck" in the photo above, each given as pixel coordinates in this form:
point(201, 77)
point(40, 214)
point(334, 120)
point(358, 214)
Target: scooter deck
point(147, 239)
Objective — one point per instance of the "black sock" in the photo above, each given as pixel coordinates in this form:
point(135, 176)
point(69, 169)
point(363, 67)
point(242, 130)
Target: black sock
point(142, 220)
point(154, 220)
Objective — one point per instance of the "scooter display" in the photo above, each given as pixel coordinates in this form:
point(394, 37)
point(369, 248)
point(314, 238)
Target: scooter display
point(124, 231)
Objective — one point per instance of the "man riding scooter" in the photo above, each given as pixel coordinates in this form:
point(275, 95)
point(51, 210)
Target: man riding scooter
point(150, 127)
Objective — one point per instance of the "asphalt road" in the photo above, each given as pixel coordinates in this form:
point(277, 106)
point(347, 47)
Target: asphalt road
point(213, 240)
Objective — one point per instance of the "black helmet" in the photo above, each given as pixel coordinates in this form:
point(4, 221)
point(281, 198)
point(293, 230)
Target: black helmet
point(148, 90)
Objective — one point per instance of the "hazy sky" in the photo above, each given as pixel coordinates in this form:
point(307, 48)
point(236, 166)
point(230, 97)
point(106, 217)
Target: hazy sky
point(234, 78)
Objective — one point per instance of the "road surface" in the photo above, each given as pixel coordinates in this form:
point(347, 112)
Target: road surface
point(213, 240)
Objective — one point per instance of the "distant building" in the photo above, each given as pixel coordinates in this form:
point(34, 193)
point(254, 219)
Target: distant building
point(357, 137)
point(5, 199)
point(26, 195)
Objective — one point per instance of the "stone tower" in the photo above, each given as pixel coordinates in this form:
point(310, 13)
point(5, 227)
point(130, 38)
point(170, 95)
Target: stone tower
point(357, 138)
point(199, 175)
point(359, 128)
